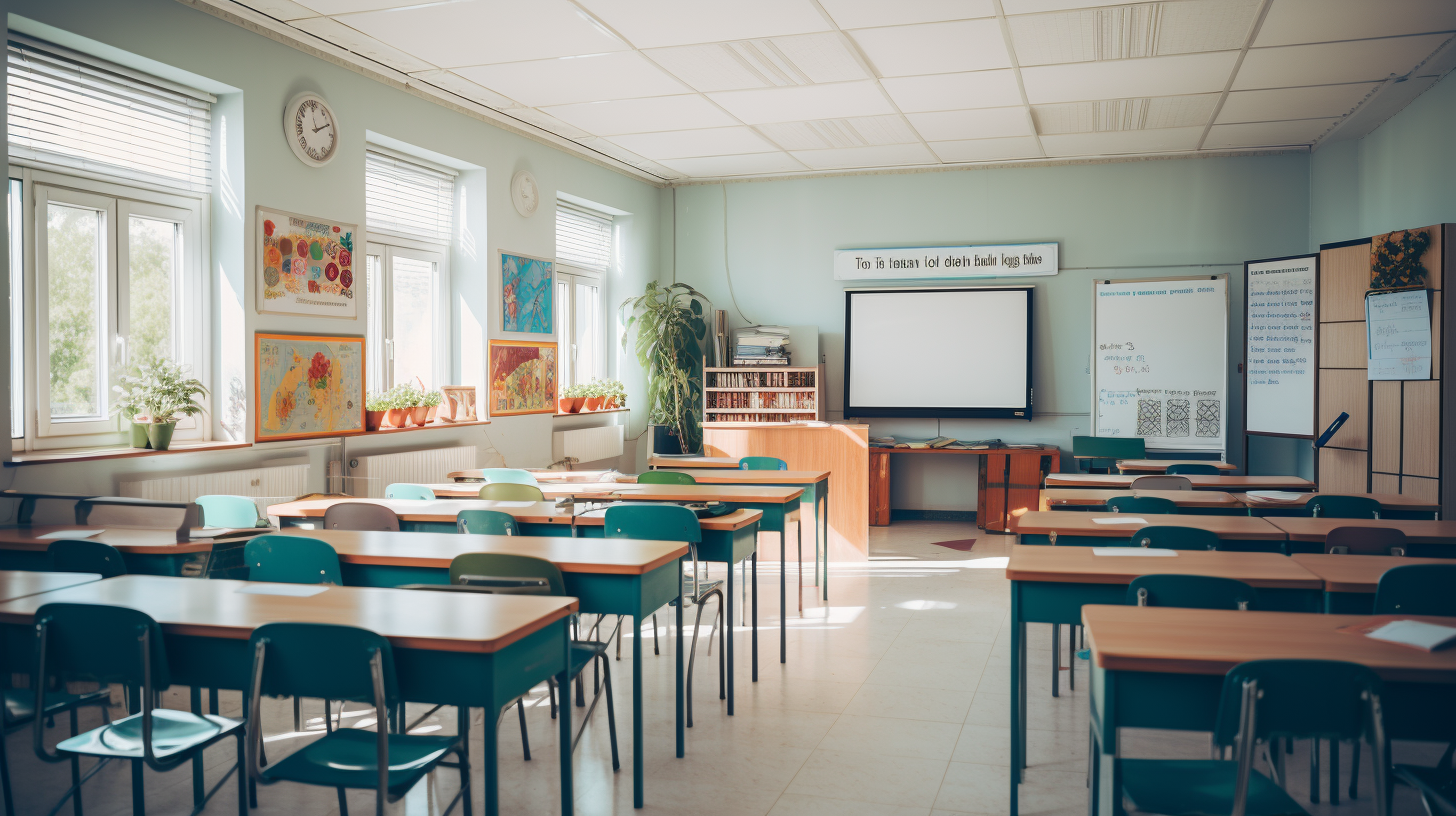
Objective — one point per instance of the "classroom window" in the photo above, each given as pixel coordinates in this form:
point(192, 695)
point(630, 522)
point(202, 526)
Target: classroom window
point(583, 255)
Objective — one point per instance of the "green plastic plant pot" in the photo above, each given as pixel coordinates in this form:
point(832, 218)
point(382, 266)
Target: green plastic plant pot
point(139, 435)
point(160, 434)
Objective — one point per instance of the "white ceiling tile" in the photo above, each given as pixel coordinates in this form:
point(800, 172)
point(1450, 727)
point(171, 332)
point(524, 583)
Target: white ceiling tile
point(875, 156)
point(1117, 79)
point(335, 32)
point(346, 6)
point(1140, 113)
point(546, 121)
point(1039, 6)
point(934, 48)
point(284, 10)
point(1266, 134)
point(757, 107)
point(976, 89)
point(1330, 63)
point(746, 165)
point(976, 150)
point(1293, 103)
point(658, 23)
point(716, 67)
point(457, 84)
point(682, 144)
point(1123, 142)
point(1311, 21)
point(869, 13)
point(819, 57)
point(858, 131)
point(643, 115)
point(1129, 32)
point(561, 81)
point(984, 123)
point(797, 60)
point(482, 32)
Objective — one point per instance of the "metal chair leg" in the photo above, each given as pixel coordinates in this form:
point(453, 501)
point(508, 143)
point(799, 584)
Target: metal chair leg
point(138, 793)
point(1072, 658)
point(1334, 772)
point(1354, 768)
point(1314, 771)
point(551, 692)
point(1056, 658)
point(693, 651)
point(297, 715)
point(655, 643)
point(75, 771)
point(343, 803)
point(611, 714)
point(525, 738)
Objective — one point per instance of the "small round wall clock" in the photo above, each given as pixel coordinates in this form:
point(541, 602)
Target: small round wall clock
point(312, 129)
point(524, 194)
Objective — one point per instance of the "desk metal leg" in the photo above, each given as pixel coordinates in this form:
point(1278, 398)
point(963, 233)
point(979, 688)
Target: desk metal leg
point(1018, 646)
point(637, 753)
point(199, 786)
point(728, 626)
point(490, 765)
point(754, 636)
point(783, 598)
point(826, 540)
point(681, 734)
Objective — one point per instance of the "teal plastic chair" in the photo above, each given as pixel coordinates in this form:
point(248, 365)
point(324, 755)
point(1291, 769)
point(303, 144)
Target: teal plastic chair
point(667, 477)
point(400, 490)
point(120, 645)
point(288, 559)
point(81, 555)
point(1141, 504)
point(1171, 537)
point(762, 463)
point(1417, 589)
point(230, 511)
point(1265, 700)
point(1324, 505)
point(1191, 470)
point(343, 663)
point(511, 491)
point(486, 522)
point(1191, 592)
point(508, 476)
point(1104, 451)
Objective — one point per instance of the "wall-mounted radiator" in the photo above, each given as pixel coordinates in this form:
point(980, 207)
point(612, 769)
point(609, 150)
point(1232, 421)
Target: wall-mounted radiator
point(281, 480)
point(588, 444)
point(375, 473)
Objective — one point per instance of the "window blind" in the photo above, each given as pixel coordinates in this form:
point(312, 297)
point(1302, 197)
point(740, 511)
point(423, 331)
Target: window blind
point(408, 199)
point(80, 115)
point(583, 237)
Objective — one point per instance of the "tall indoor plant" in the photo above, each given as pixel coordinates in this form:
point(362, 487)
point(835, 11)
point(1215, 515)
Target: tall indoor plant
point(671, 334)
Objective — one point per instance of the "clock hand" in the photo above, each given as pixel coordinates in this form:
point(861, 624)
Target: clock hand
point(321, 127)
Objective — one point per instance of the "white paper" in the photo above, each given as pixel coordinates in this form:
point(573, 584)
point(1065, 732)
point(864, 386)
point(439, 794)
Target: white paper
point(289, 590)
point(1398, 336)
point(1279, 346)
point(72, 534)
point(1276, 495)
point(1422, 635)
point(1120, 520)
point(1155, 552)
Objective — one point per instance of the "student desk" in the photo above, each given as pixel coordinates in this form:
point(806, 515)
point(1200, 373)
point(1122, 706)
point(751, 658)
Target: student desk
point(657, 460)
point(1193, 502)
point(1351, 580)
point(24, 583)
point(1228, 484)
point(1424, 537)
point(1392, 505)
point(1006, 481)
point(1164, 668)
point(421, 515)
point(456, 649)
point(1145, 466)
point(1051, 527)
point(145, 551)
point(626, 577)
point(1051, 584)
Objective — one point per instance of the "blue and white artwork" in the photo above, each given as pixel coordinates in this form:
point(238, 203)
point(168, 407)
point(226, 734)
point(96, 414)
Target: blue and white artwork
point(526, 288)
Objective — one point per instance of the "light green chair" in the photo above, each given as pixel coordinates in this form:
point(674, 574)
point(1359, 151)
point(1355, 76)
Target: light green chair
point(401, 490)
point(486, 522)
point(230, 511)
point(762, 463)
point(511, 491)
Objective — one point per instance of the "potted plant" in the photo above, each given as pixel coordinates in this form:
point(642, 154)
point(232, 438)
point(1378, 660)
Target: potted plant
point(376, 406)
point(671, 334)
point(595, 394)
point(162, 391)
point(432, 402)
point(397, 402)
point(616, 394)
point(577, 396)
point(125, 406)
point(419, 412)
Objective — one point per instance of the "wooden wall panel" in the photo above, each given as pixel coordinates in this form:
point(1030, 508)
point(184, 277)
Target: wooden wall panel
point(1436, 299)
point(1384, 483)
point(1423, 489)
point(1342, 345)
point(1422, 429)
point(1345, 390)
point(1385, 420)
point(1344, 277)
point(1342, 471)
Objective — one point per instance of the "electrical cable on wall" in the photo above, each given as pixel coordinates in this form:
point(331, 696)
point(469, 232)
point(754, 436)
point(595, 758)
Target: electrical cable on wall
point(727, 273)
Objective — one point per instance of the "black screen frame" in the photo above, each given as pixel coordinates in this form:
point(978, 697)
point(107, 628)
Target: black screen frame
point(852, 411)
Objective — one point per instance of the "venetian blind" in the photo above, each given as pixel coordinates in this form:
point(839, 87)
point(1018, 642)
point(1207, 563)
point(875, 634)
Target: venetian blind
point(583, 237)
point(409, 199)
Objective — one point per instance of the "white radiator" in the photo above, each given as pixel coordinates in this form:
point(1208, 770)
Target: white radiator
point(373, 474)
point(587, 444)
point(281, 480)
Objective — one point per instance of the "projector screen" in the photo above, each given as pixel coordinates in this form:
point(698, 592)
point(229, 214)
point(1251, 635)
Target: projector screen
point(938, 352)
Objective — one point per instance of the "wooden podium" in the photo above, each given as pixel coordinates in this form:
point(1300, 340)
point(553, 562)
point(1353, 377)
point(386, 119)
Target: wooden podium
point(1008, 481)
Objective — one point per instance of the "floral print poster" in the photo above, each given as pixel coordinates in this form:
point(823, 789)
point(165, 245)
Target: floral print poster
point(306, 265)
point(308, 386)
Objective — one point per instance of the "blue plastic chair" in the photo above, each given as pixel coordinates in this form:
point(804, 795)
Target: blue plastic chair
point(230, 511)
point(1172, 537)
point(1191, 470)
point(1417, 589)
point(1191, 592)
point(1324, 505)
point(401, 490)
point(486, 522)
point(1141, 504)
point(762, 463)
point(289, 559)
point(83, 555)
point(510, 475)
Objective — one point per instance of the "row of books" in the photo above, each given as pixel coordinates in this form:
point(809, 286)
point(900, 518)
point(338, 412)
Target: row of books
point(761, 399)
point(716, 416)
point(761, 379)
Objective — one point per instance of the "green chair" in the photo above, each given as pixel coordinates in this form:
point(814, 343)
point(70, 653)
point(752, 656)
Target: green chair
point(230, 511)
point(1161, 482)
point(400, 490)
point(1264, 701)
point(667, 477)
point(1191, 470)
point(762, 463)
point(1105, 449)
point(486, 522)
point(1324, 505)
point(508, 475)
point(1141, 504)
point(1417, 589)
point(81, 555)
point(1191, 592)
point(511, 491)
point(1170, 537)
point(343, 663)
point(120, 645)
point(289, 559)
point(1365, 541)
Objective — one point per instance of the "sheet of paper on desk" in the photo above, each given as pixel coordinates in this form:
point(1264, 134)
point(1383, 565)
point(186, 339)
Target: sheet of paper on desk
point(1277, 495)
point(1421, 635)
point(1154, 552)
point(289, 590)
point(1120, 520)
point(72, 534)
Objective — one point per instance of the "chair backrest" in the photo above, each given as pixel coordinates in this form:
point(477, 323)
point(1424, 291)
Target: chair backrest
point(320, 660)
point(486, 522)
point(502, 565)
point(1141, 504)
point(508, 475)
point(667, 477)
point(1108, 447)
point(1191, 592)
point(1299, 698)
point(289, 559)
point(1171, 537)
point(401, 490)
point(79, 555)
point(511, 491)
point(1191, 470)
point(360, 516)
point(1366, 541)
point(228, 511)
point(655, 522)
point(1417, 589)
point(762, 463)
point(102, 643)
point(1161, 483)
point(1324, 505)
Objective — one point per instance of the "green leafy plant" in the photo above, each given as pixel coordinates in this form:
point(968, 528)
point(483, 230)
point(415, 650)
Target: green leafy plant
point(159, 390)
point(377, 401)
point(671, 334)
point(1397, 260)
point(574, 391)
point(614, 388)
point(432, 398)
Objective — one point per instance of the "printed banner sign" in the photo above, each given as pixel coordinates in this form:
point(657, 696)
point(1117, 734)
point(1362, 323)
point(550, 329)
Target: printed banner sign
point(934, 263)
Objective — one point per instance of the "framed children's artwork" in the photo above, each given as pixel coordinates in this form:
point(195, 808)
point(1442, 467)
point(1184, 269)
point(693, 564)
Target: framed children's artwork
point(459, 403)
point(306, 265)
point(526, 289)
point(307, 386)
point(522, 377)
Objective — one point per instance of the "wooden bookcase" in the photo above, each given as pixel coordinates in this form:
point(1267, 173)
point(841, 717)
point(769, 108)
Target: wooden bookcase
point(763, 394)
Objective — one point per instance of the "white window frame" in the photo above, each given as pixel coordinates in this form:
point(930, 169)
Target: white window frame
point(380, 329)
point(567, 340)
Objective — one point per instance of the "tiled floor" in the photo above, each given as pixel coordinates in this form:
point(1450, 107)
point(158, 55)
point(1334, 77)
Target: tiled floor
point(893, 703)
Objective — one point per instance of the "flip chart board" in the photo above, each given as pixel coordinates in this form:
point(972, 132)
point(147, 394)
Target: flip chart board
point(1279, 344)
point(1398, 336)
point(1160, 367)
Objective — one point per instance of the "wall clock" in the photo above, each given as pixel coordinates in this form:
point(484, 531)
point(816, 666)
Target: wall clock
point(524, 193)
point(312, 129)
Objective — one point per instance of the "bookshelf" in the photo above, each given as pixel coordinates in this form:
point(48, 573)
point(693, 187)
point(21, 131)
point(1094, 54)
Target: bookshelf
point(763, 394)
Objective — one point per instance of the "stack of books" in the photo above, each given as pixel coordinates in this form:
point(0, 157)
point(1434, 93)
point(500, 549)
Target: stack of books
point(761, 346)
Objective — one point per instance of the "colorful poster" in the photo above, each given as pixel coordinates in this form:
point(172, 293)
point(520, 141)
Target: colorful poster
point(305, 265)
point(522, 377)
point(308, 386)
point(525, 294)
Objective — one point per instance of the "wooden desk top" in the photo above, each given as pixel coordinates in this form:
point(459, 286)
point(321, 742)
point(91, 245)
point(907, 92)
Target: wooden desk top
point(1036, 450)
point(137, 541)
point(1208, 641)
point(1077, 565)
point(1079, 497)
point(1123, 481)
point(439, 621)
point(736, 520)
point(1393, 501)
point(1420, 531)
point(1356, 573)
point(541, 476)
point(617, 556)
point(680, 462)
point(655, 492)
point(1084, 524)
point(728, 476)
point(24, 583)
point(1161, 465)
point(543, 512)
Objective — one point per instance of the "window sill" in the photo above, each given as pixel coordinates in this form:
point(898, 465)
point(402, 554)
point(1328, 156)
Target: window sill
point(95, 454)
point(593, 413)
point(436, 424)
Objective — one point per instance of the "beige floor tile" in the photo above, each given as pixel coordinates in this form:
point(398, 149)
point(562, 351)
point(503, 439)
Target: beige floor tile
point(936, 705)
point(794, 804)
point(892, 737)
point(984, 745)
point(859, 777)
point(912, 674)
point(971, 788)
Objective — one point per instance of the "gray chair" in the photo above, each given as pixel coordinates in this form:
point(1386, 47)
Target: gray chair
point(1162, 483)
point(1365, 541)
point(360, 516)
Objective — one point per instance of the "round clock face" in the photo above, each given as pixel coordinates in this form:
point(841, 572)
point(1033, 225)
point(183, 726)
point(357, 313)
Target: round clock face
point(312, 130)
point(523, 193)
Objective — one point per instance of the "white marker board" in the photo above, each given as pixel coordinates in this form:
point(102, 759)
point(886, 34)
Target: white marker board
point(1160, 361)
point(1279, 344)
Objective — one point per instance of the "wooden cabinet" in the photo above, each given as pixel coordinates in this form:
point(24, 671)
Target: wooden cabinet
point(1008, 482)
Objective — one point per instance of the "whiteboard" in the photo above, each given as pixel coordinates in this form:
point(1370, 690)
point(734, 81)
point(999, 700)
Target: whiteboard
point(1160, 369)
point(1279, 343)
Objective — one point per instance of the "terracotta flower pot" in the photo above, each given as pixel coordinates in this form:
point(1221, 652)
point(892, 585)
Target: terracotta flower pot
point(398, 416)
point(420, 414)
point(594, 403)
point(576, 403)
point(563, 405)
point(373, 419)
point(611, 402)
point(430, 416)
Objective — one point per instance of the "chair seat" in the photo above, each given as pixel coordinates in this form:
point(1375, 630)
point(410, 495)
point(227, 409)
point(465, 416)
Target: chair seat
point(20, 703)
point(1200, 787)
point(173, 732)
point(346, 759)
point(583, 652)
point(1437, 786)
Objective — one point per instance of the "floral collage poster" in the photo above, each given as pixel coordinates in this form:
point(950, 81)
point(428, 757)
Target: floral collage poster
point(308, 386)
point(526, 289)
point(306, 265)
